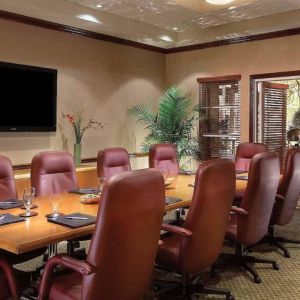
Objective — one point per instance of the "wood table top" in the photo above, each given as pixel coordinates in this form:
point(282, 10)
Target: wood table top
point(36, 232)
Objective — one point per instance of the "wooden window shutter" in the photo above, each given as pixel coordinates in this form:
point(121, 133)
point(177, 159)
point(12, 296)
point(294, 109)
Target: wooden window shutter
point(274, 110)
point(219, 126)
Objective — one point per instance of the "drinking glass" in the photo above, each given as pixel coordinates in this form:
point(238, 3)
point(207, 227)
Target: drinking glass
point(28, 201)
point(54, 201)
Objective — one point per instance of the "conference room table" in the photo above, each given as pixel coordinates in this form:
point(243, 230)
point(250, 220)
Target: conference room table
point(36, 232)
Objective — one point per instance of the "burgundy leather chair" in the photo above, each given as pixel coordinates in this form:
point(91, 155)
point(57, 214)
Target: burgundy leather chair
point(195, 246)
point(53, 172)
point(8, 286)
point(7, 181)
point(251, 220)
point(286, 199)
point(112, 161)
point(163, 157)
point(244, 154)
point(121, 256)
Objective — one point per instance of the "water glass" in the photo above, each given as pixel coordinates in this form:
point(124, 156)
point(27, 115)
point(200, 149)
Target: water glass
point(54, 201)
point(28, 201)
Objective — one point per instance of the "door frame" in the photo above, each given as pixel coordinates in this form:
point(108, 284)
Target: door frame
point(252, 103)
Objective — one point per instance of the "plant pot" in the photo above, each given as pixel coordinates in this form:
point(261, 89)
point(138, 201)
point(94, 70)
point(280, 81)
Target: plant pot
point(77, 154)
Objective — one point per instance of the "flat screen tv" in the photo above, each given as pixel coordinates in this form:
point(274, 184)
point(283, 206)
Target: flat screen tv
point(28, 98)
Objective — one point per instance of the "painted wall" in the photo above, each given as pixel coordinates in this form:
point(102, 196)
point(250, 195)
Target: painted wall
point(267, 56)
point(105, 77)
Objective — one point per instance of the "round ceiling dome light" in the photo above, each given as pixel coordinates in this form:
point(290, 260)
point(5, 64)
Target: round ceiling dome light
point(219, 2)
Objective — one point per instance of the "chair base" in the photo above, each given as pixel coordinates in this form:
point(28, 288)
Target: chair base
point(272, 239)
point(242, 259)
point(187, 287)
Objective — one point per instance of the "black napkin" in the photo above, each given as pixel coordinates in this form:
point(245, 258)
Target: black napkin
point(10, 203)
point(186, 172)
point(63, 220)
point(171, 200)
point(9, 219)
point(85, 191)
point(240, 171)
point(242, 177)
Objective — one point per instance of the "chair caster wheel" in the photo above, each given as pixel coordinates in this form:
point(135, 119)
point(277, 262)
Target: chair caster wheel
point(287, 255)
point(229, 297)
point(275, 266)
point(257, 279)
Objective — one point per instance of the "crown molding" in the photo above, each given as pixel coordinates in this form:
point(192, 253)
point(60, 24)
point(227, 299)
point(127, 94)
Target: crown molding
point(112, 39)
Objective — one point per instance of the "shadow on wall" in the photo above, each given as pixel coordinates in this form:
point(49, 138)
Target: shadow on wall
point(63, 137)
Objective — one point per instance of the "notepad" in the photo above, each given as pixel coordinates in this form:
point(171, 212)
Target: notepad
point(171, 200)
point(62, 220)
point(85, 191)
point(10, 203)
point(10, 219)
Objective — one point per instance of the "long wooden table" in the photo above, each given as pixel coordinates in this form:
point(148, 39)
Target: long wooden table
point(37, 232)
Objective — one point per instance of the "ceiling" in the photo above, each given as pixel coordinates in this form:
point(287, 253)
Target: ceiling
point(165, 23)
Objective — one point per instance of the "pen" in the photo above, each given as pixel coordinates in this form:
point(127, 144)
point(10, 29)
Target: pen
point(77, 218)
point(1, 218)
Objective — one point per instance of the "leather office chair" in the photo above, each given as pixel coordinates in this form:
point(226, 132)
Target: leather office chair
point(7, 181)
point(124, 244)
point(8, 191)
point(8, 286)
point(250, 222)
point(53, 172)
point(195, 246)
point(286, 199)
point(244, 154)
point(163, 157)
point(112, 161)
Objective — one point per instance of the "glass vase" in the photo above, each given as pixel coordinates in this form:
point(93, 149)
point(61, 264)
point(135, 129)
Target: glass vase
point(77, 154)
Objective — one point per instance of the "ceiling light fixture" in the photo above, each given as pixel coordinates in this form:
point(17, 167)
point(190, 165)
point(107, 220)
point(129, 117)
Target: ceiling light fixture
point(219, 2)
point(166, 38)
point(175, 28)
point(89, 18)
point(99, 5)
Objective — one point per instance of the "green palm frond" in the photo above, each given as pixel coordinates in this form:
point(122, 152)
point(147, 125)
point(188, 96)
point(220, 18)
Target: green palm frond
point(173, 123)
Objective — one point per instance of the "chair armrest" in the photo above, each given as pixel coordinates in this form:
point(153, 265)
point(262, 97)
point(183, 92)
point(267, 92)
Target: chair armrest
point(63, 260)
point(11, 281)
point(175, 229)
point(238, 210)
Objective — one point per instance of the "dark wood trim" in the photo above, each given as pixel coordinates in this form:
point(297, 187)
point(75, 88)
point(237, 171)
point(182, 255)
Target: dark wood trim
point(219, 78)
point(243, 39)
point(252, 93)
point(86, 33)
point(83, 160)
point(108, 38)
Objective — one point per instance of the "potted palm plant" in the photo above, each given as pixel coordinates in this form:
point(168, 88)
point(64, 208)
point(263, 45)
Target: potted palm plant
point(173, 122)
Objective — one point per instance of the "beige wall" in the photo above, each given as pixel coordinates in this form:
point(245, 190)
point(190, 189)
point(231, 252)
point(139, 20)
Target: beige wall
point(106, 77)
point(267, 56)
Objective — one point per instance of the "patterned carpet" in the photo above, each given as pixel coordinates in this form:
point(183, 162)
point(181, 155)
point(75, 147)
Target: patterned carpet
point(283, 284)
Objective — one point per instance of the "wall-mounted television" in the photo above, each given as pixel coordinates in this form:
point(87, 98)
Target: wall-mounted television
point(28, 98)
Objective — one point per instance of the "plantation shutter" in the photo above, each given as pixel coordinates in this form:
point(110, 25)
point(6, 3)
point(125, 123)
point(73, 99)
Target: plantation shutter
point(219, 126)
point(274, 110)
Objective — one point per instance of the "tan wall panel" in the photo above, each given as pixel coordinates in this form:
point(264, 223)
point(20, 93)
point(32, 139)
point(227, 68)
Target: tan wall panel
point(106, 77)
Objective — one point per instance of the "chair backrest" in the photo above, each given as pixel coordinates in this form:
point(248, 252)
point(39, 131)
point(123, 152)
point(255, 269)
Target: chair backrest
point(7, 181)
point(163, 158)
point(125, 239)
point(289, 188)
point(259, 198)
point(208, 215)
point(53, 172)
point(245, 152)
point(112, 161)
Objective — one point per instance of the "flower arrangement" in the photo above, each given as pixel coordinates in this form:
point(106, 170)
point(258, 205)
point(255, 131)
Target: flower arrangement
point(80, 126)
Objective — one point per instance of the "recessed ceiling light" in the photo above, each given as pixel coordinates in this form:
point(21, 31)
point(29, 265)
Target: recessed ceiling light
point(231, 7)
point(175, 28)
point(219, 2)
point(99, 5)
point(166, 38)
point(89, 18)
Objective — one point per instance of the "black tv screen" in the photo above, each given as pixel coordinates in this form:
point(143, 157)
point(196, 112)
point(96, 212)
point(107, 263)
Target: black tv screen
point(28, 98)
